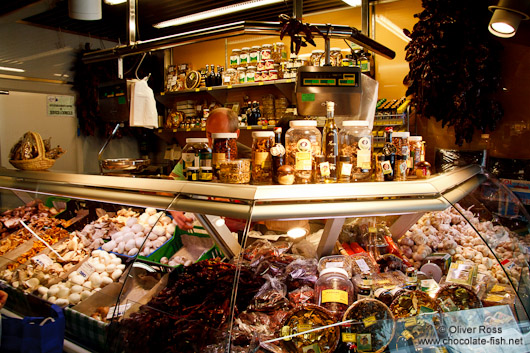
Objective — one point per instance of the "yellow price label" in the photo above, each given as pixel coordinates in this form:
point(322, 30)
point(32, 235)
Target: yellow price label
point(159, 130)
point(203, 129)
point(288, 80)
point(162, 93)
point(410, 321)
point(229, 86)
point(188, 129)
point(349, 337)
point(249, 127)
point(497, 288)
point(210, 88)
point(260, 84)
point(197, 89)
point(174, 130)
point(494, 298)
point(304, 327)
point(264, 127)
point(369, 321)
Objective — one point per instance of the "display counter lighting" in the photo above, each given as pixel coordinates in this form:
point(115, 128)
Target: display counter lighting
point(12, 69)
point(296, 232)
point(219, 222)
point(114, 2)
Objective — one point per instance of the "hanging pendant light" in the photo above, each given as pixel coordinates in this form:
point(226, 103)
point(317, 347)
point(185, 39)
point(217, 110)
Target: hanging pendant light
point(86, 10)
point(507, 16)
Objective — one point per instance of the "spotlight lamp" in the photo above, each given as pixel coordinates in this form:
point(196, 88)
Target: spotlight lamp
point(507, 16)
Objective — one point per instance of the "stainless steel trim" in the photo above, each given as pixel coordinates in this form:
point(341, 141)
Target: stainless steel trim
point(458, 193)
point(330, 235)
point(222, 236)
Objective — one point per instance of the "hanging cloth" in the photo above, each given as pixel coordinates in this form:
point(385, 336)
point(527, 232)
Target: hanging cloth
point(143, 105)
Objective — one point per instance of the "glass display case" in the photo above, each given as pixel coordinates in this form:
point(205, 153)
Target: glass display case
point(390, 266)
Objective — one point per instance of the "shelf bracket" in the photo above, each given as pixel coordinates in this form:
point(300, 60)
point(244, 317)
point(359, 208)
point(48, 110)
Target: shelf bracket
point(221, 235)
point(330, 235)
point(404, 223)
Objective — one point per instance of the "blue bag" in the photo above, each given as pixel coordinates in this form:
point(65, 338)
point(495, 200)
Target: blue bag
point(34, 334)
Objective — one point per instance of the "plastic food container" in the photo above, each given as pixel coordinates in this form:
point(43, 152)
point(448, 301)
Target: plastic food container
point(303, 142)
point(235, 171)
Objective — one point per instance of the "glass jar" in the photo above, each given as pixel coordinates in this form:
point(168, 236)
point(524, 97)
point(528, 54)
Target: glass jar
point(231, 77)
point(346, 62)
point(273, 75)
point(234, 58)
point(355, 141)
point(244, 56)
point(400, 139)
point(316, 57)
point(416, 150)
point(423, 169)
point(194, 149)
point(224, 149)
point(303, 142)
point(279, 69)
point(320, 169)
point(278, 53)
point(262, 141)
point(335, 57)
point(265, 75)
point(266, 51)
point(193, 173)
point(250, 74)
point(261, 65)
point(258, 77)
point(235, 171)
point(345, 168)
point(286, 175)
point(206, 174)
point(242, 74)
point(334, 291)
point(254, 55)
point(269, 64)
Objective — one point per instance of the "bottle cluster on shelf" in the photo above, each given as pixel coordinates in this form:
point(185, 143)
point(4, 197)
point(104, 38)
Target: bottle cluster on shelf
point(309, 156)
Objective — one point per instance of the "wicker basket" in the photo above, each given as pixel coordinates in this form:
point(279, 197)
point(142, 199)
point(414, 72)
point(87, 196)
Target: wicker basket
point(38, 163)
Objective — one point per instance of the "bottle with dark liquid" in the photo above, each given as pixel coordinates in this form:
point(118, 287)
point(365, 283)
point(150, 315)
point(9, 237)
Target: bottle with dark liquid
point(330, 142)
point(389, 156)
point(277, 154)
point(219, 76)
point(207, 76)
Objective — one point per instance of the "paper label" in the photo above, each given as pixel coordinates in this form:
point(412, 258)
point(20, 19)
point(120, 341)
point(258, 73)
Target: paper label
point(303, 161)
point(286, 331)
point(324, 169)
point(386, 167)
point(497, 288)
point(218, 158)
point(364, 143)
point(349, 337)
point(42, 260)
point(334, 264)
point(234, 60)
point(334, 296)
point(346, 169)
point(364, 159)
point(494, 298)
point(121, 310)
point(304, 327)
point(262, 159)
point(362, 265)
point(410, 321)
point(369, 321)
point(86, 270)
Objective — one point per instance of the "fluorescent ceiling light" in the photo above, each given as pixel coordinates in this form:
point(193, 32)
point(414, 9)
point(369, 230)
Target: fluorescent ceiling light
point(114, 2)
point(216, 12)
point(392, 27)
point(13, 69)
point(353, 3)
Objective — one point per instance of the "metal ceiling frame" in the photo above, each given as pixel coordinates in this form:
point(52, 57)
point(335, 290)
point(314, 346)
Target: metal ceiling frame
point(230, 30)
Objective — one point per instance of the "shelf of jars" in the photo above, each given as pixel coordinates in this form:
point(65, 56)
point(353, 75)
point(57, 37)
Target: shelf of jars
point(191, 129)
point(286, 86)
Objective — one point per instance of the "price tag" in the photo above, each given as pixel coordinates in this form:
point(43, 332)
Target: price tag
point(249, 127)
point(203, 129)
point(121, 310)
point(410, 321)
point(188, 129)
point(86, 270)
point(260, 84)
point(264, 127)
point(369, 321)
point(497, 288)
point(304, 327)
point(174, 130)
point(209, 88)
point(425, 310)
point(362, 265)
point(337, 264)
point(229, 86)
point(288, 80)
point(159, 130)
point(494, 298)
point(42, 260)
point(162, 93)
point(197, 89)
point(349, 337)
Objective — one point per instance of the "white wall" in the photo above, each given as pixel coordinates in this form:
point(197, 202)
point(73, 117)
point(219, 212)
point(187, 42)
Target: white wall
point(26, 111)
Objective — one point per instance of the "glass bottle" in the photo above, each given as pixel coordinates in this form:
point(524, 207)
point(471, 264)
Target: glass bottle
point(389, 154)
point(277, 154)
point(330, 142)
point(412, 279)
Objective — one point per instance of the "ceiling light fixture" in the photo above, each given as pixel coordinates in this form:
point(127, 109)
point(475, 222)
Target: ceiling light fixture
point(86, 10)
point(353, 3)
point(114, 2)
point(507, 16)
point(225, 10)
point(12, 69)
point(392, 27)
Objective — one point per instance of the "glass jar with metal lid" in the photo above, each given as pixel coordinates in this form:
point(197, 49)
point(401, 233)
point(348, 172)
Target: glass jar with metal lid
point(262, 141)
point(244, 56)
point(242, 74)
point(230, 77)
point(334, 290)
point(254, 55)
point(316, 57)
point(224, 149)
point(278, 52)
point(266, 51)
point(303, 142)
point(193, 151)
point(234, 58)
point(355, 141)
point(335, 56)
point(251, 74)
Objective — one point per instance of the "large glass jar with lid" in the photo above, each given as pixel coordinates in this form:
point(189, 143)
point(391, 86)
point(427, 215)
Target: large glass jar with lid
point(334, 290)
point(195, 154)
point(303, 142)
point(335, 56)
point(254, 55)
point(278, 52)
point(262, 141)
point(316, 58)
point(224, 148)
point(244, 57)
point(355, 141)
point(242, 74)
point(266, 51)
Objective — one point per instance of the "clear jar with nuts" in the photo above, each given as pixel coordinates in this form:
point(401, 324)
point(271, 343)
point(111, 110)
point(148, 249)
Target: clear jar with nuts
point(224, 149)
point(355, 141)
point(262, 141)
point(303, 142)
